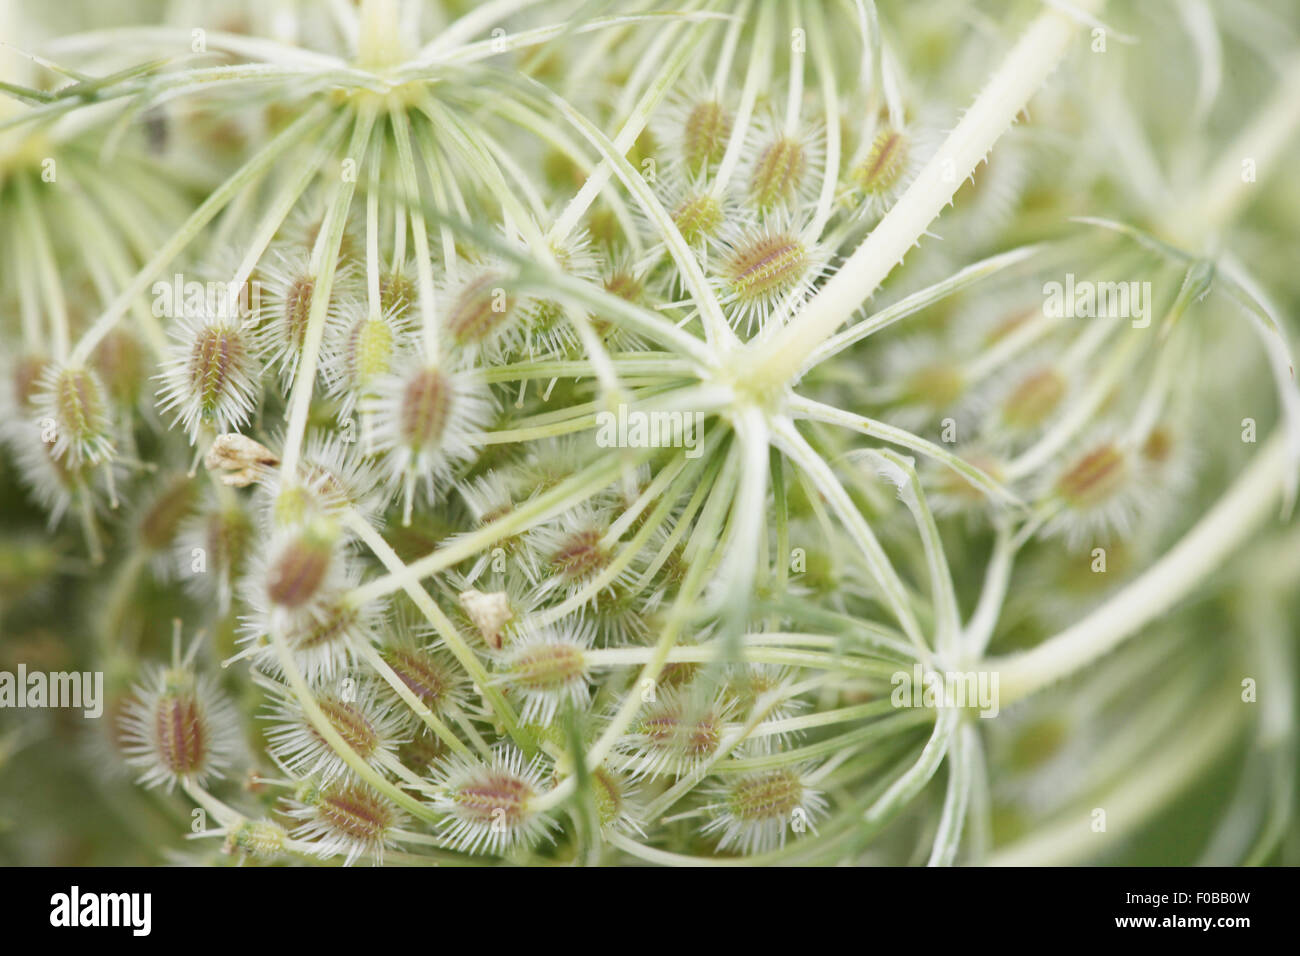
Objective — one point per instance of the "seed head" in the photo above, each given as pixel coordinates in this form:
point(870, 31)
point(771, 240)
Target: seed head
point(763, 269)
point(1093, 478)
point(261, 840)
point(75, 402)
point(1101, 492)
point(212, 378)
point(481, 310)
point(676, 733)
point(301, 566)
point(617, 803)
point(754, 812)
point(885, 164)
point(488, 806)
point(324, 643)
point(698, 217)
point(548, 669)
point(368, 725)
point(397, 292)
point(572, 551)
point(177, 727)
point(426, 420)
point(429, 675)
point(285, 313)
point(1034, 399)
point(333, 477)
point(345, 818)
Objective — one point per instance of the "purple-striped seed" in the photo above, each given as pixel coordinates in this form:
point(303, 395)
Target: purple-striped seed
point(181, 734)
point(425, 408)
point(767, 266)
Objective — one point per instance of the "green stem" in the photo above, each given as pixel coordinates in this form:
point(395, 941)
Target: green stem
point(714, 652)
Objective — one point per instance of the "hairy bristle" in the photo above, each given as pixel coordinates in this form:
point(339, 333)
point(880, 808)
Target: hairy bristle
point(396, 293)
point(260, 839)
point(369, 350)
point(624, 284)
point(81, 410)
point(78, 400)
point(607, 794)
point(328, 626)
point(675, 728)
point(494, 794)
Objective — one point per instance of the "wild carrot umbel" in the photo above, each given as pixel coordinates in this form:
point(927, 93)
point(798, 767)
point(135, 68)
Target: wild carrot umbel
point(320, 328)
